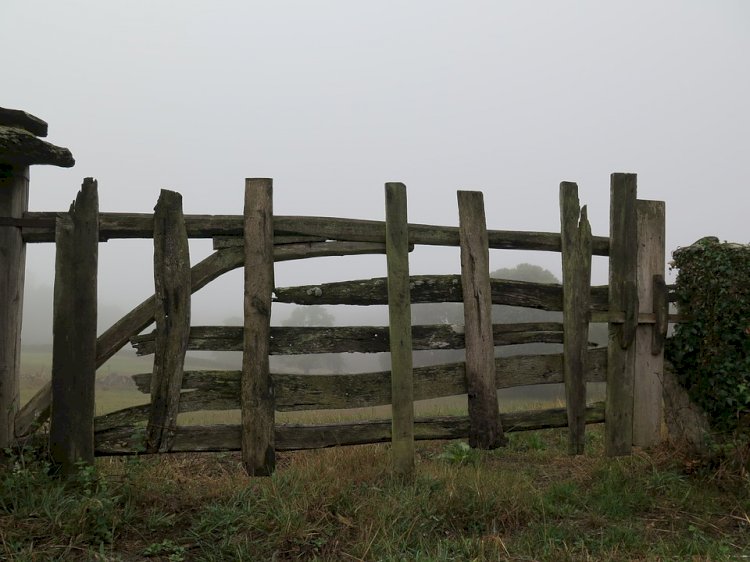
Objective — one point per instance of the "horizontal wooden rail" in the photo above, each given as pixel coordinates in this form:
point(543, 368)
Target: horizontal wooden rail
point(141, 225)
point(128, 440)
point(219, 390)
point(433, 289)
point(303, 340)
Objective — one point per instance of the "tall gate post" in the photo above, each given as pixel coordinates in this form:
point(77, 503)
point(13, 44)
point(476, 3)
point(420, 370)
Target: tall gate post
point(575, 234)
point(485, 426)
point(649, 361)
point(71, 434)
point(399, 329)
point(256, 394)
point(19, 148)
point(623, 311)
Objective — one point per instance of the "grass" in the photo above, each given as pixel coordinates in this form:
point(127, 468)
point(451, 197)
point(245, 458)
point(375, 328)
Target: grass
point(528, 501)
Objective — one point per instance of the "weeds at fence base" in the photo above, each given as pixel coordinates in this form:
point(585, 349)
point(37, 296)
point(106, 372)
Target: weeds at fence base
point(527, 501)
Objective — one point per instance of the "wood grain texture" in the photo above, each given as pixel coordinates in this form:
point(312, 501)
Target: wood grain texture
point(256, 392)
point(129, 440)
point(399, 329)
point(436, 288)
point(305, 340)
point(172, 314)
point(14, 201)
point(295, 392)
point(576, 268)
point(649, 367)
point(486, 431)
point(71, 436)
point(623, 299)
point(140, 225)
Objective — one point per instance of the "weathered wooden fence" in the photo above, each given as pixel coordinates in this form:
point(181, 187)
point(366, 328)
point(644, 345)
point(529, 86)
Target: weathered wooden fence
point(634, 304)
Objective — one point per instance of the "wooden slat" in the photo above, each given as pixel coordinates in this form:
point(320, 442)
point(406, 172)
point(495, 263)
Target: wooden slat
point(71, 438)
point(14, 201)
point(140, 225)
point(623, 299)
point(295, 392)
point(576, 267)
point(305, 340)
point(172, 292)
point(436, 288)
point(399, 316)
point(486, 431)
point(127, 440)
point(649, 367)
point(256, 395)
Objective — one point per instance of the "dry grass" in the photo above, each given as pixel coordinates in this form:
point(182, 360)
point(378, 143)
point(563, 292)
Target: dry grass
point(528, 501)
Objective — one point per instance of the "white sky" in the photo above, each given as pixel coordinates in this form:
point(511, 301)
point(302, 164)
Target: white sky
point(334, 98)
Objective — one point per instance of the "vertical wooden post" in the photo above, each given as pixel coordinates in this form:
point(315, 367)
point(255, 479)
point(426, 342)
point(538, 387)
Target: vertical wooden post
point(486, 430)
point(257, 395)
point(623, 309)
point(14, 201)
point(649, 366)
point(576, 269)
point(399, 314)
point(71, 435)
point(172, 294)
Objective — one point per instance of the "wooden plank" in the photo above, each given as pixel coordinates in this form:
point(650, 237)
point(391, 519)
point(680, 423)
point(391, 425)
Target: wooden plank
point(172, 315)
point(649, 367)
point(486, 431)
point(623, 299)
point(295, 392)
point(140, 225)
point(399, 315)
point(305, 340)
point(661, 315)
point(256, 395)
point(129, 440)
point(14, 201)
point(278, 239)
point(576, 268)
point(71, 436)
point(436, 288)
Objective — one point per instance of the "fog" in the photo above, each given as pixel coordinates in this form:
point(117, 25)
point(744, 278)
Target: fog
point(333, 99)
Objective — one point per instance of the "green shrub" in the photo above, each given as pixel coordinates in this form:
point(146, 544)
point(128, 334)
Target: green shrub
point(711, 351)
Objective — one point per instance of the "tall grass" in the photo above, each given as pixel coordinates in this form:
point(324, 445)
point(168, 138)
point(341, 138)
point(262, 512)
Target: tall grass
point(529, 501)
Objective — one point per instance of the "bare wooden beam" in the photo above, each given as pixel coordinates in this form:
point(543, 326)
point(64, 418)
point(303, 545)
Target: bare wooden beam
point(14, 200)
point(576, 267)
point(399, 314)
point(304, 340)
point(140, 225)
point(126, 441)
point(71, 437)
point(623, 299)
point(436, 288)
point(257, 401)
point(172, 315)
point(649, 367)
point(486, 431)
point(296, 392)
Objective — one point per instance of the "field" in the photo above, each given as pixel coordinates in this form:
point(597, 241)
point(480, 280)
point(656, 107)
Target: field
point(528, 501)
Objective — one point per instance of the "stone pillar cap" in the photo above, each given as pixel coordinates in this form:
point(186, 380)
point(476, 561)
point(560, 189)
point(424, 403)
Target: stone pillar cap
point(19, 144)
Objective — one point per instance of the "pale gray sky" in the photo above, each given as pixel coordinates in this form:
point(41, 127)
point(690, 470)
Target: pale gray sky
point(334, 98)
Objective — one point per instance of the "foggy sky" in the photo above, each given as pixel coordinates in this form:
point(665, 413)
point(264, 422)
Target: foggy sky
point(333, 99)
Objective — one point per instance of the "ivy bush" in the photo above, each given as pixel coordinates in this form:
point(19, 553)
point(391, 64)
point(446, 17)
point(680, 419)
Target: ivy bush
point(711, 351)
